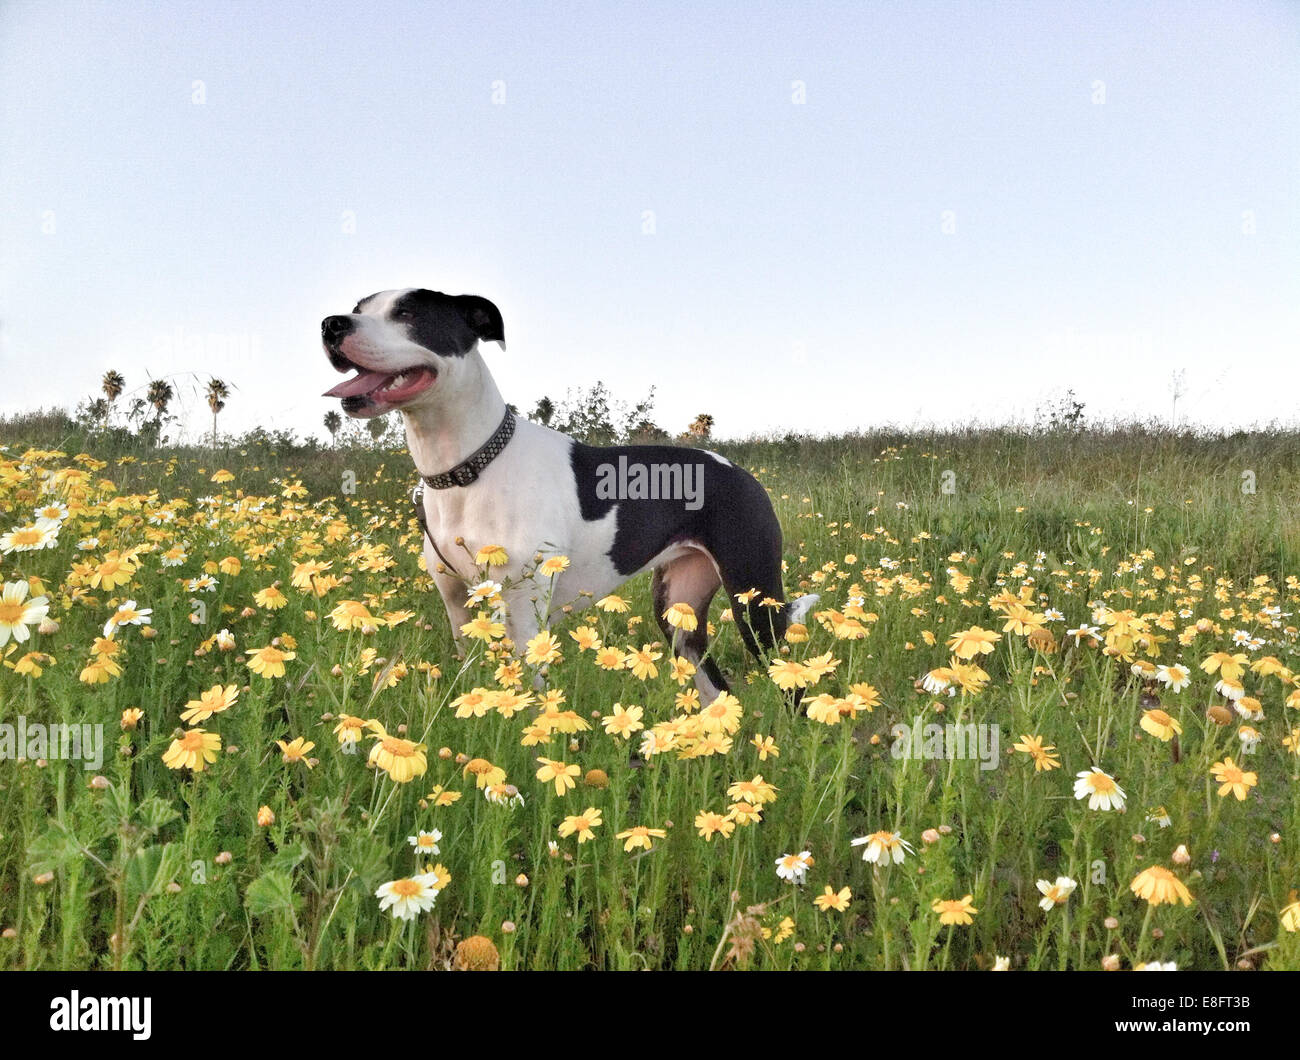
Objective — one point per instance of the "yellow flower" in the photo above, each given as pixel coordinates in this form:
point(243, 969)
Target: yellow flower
point(265, 817)
point(613, 604)
point(268, 662)
point(1160, 725)
point(403, 760)
point(484, 627)
point(543, 648)
point(194, 750)
point(709, 824)
point(587, 638)
point(582, 824)
point(492, 555)
point(642, 663)
point(968, 643)
point(352, 614)
point(473, 704)
point(100, 670)
point(789, 674)
point(553, 566)
point(681, 616)
point(558, 773)
point(954, 910)
point(1230, 667)
point(831, 899)
point(296, 751)
point(215, 700)
point(349, 729)
point(1232, 778)
point(757, 791)
point(270, 598)
point(439, 796)
point(610, 658)
point(1290, 915)
point(115, 571)
point(640, 836)
point(1158, 886)
point(624, 721)
point(131, 717)
point(722, 715)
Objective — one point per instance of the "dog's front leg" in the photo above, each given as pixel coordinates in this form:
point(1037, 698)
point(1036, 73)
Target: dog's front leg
point(522, 625)
point(453, 594)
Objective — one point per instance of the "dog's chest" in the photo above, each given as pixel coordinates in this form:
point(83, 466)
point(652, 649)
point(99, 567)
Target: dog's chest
point(526, 503)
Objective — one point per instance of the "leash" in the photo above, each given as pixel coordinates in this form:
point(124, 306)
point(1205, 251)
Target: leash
point(463, 474)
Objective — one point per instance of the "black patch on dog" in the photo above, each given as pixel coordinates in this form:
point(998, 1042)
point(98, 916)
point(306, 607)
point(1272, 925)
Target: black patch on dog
point(736, 524)
point(448, 325)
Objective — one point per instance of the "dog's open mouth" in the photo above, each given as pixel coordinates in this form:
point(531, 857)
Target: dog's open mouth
point(383, 388)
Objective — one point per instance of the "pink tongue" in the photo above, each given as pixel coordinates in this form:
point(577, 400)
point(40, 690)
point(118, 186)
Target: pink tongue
point(362, 383)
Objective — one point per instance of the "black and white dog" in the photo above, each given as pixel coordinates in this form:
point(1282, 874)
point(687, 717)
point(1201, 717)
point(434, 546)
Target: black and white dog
point(689, 515)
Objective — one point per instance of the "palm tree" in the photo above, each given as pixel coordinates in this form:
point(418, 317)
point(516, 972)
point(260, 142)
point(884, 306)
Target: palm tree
point(544, 412)
point(159, 395)
point(333, 421)
point(702, 426)
point(217, 394)
point(113, 385)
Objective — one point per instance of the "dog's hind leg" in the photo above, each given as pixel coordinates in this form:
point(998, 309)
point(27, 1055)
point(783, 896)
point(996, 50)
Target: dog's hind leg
point(690, 579)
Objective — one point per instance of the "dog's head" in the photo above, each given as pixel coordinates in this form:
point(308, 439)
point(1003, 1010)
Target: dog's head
point(408, 348)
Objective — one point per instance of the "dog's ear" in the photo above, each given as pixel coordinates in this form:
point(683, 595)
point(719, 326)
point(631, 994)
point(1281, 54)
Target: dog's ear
point(483, 318)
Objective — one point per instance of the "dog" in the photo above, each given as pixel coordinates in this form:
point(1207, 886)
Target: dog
point(690, 516)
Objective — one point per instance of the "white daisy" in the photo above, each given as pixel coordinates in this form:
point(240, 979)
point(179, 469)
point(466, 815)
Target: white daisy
point(794, 867)
point(1175, 678)
point(17, 612)
point(425, 842)
point(1099, 789)
point(127, 615)
point(883, 847)
point(410, 897)
point(1055, 893)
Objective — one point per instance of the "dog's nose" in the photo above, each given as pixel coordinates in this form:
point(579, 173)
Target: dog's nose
point(332, 329)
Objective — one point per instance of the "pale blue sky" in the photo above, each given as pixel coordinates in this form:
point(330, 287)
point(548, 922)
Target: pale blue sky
point(798, 275)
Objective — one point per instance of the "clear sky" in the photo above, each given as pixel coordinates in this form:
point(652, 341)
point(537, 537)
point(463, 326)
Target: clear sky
point(788, 215)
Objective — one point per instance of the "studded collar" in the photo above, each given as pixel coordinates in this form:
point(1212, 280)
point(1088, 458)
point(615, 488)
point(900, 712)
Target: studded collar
point(469, 469)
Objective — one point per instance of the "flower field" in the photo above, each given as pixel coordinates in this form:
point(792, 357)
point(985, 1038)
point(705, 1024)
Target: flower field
point(1050, 719)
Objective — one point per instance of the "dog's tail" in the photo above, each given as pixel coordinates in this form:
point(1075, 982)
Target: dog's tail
point(800, 608)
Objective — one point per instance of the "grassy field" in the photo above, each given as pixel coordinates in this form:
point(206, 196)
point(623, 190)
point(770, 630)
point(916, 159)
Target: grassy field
point(1028, 590)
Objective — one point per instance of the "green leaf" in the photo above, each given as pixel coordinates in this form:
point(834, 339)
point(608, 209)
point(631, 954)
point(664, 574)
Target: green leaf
point(287, 857)
point(272, 892)
point(54, 849)
point(151, 868)
point(155, 812)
